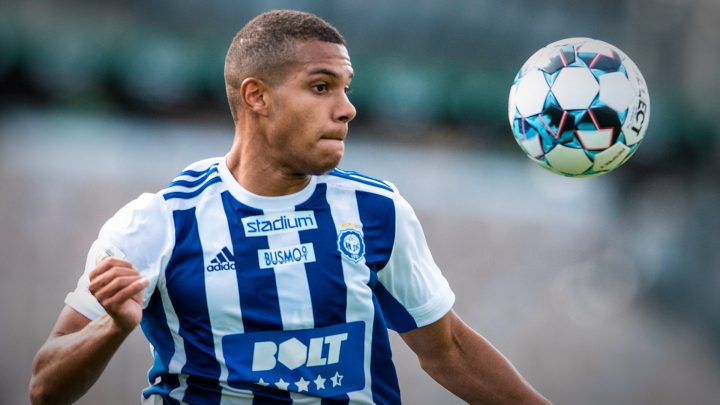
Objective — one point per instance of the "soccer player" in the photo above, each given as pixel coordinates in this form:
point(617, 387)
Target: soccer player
point(267, 275)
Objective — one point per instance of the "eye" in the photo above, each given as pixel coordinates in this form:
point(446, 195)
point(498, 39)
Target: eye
point(348, 90)
point(320, 88)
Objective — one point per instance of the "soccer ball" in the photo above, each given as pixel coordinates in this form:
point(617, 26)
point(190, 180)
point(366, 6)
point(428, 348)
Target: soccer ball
point(579, 107)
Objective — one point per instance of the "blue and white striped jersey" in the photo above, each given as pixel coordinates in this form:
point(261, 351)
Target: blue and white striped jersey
point(285, 299)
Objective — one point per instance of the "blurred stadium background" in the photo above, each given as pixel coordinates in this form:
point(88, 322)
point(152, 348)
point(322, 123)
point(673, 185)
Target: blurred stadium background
point(601, 290)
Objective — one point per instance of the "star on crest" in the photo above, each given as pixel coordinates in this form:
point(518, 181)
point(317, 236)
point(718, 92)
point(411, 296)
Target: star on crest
point(320, 382)
point(262, 383)
point(302, 384)
point(350, 225)
point(336, 379)
point(281, 384)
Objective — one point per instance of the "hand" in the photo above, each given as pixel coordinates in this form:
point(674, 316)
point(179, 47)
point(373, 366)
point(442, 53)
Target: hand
point(118, 287)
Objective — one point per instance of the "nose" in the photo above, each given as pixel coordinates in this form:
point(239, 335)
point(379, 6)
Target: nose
point(346, 111)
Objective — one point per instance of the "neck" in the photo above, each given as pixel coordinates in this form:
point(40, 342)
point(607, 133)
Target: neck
point(254, 173)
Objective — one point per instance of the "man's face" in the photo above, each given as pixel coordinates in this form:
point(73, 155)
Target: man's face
point(310, 110)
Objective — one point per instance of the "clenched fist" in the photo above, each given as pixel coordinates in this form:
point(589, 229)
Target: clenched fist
point(118, 286)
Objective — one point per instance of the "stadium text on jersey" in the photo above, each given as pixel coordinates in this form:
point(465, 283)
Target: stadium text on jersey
point(270, 224)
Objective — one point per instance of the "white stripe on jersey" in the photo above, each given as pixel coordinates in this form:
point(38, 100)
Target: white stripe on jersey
point(221, 287)
point(293, 289)
point(179, 358)
point(344, 208)
point(294, 298)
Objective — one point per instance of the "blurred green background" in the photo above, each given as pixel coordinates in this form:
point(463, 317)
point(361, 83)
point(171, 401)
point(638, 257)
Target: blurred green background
point(600, 290)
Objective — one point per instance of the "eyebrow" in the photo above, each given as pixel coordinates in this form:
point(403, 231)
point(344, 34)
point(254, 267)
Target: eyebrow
point(325, 71)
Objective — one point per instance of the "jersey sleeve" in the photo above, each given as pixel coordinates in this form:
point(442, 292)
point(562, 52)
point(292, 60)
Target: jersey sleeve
point(140, 232)
point(415, 291)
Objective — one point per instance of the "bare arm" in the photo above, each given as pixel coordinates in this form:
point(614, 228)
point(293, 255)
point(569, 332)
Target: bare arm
point(78, 350)
point(465, 363)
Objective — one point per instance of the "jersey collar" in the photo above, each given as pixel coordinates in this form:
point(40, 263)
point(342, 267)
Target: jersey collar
point(263, 202)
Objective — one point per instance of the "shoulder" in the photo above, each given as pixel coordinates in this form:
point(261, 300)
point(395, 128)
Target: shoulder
point(370, 188)
point(349, 179)
point(146, 208)
point(376, 197)
point(192, 181)
point(140, 230)
point(143, 223)
point(150, 216)
point(369, 191)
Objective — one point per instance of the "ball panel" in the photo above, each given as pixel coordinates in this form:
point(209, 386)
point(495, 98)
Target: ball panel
point(602, 118)
point(597, 47)
point(634, 127)
point(532, 146)
point(569, 161)
point(600, 55)
point(575, 88)
point(595, 140)
point(556, 59)
point(610, 158)
point(531, 92)
point(616, 91)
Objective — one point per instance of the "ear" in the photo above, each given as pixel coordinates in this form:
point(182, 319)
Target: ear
point(254, 93)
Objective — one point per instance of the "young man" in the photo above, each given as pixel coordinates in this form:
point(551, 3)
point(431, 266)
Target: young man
point(267, 275)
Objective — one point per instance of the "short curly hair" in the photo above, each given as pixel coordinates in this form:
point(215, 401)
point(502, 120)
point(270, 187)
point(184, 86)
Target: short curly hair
point(264, 48)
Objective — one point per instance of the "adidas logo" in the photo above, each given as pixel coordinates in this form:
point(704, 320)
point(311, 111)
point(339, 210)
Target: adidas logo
point(223, 261)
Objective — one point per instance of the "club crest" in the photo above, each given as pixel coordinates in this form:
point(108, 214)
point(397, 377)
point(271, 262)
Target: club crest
point(351, 244)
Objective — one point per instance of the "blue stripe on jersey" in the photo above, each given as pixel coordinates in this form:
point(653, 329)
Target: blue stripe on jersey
point(191, 194)
point(360, 178)
point(154, 325)
point(257, 287)
point(396, 316)
point(325, 275)
point(377, 214)
point(193, 183)
point(194, 173)
point(185, 279)
point(384, 385)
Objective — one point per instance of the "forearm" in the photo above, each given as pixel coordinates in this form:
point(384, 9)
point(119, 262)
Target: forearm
point(68, 365)
point(465, 363)
point(475, 371)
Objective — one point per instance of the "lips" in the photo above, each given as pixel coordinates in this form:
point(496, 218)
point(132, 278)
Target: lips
point(335, 136)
